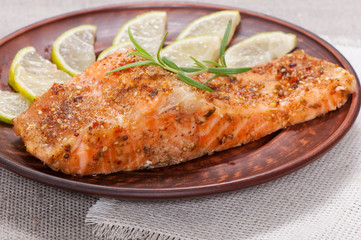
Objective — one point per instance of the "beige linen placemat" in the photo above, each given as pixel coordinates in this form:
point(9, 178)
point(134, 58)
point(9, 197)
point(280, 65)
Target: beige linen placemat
point(320, 201)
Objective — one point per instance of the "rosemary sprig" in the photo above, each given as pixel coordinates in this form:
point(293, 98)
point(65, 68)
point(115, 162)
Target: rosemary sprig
point(184, 73)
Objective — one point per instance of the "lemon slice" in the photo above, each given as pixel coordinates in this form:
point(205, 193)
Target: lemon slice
point(200, 47)
point(123, 46)
point(73, 51)
point(212, 24)
point(260, 48)
point(34, 75)
point(11, 105)
point(19, 57)
point(148, 30)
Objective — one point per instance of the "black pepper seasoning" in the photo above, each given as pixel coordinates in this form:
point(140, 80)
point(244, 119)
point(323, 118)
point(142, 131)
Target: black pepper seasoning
point(153, 93)
point(209, 113)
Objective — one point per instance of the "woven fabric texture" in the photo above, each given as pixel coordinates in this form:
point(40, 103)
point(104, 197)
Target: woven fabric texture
point(320, 201)
point(31, 210)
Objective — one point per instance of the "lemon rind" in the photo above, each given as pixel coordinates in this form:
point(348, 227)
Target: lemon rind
point(183, 34)
point(129, 22)
point(55, 54)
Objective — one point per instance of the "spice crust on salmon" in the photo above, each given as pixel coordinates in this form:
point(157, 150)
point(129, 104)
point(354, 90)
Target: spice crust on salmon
point(144, 117)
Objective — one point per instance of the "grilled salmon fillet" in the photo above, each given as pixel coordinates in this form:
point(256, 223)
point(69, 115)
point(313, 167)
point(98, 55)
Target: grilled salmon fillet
point(144, 117)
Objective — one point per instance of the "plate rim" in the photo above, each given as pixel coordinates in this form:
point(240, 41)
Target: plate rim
point(179, 192)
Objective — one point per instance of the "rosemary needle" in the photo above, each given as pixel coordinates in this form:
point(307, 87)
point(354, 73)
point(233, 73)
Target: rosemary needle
point(219, 69)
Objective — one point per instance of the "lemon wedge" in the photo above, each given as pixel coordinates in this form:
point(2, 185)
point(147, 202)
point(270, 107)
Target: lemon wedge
point(11, 105)
point(123, 46)
point(19, 57)
point(201, 48)
point(212, 24)
point(73, 51)
point(259, 49)
point(34, 75)
point(148, 30)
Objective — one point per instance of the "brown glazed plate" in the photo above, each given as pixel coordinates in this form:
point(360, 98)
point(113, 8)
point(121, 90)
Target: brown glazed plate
point(268, 158)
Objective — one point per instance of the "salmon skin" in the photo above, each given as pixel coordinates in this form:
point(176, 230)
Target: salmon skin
point(144, 117)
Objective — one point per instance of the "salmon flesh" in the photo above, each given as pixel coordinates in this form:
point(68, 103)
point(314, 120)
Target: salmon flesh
point(145, 117)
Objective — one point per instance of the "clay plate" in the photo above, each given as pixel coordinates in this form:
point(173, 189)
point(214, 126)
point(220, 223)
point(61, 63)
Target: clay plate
point(269, 158)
